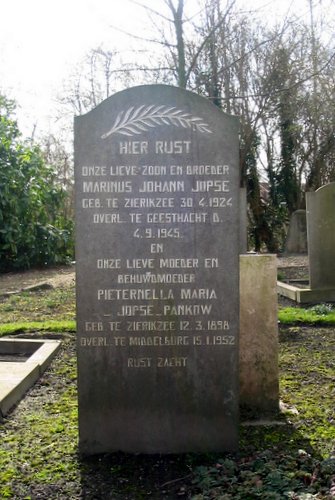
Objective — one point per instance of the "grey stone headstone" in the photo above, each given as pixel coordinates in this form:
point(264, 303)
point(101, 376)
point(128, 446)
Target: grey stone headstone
point(157, 259)
point(296, 240)
point(320, 207)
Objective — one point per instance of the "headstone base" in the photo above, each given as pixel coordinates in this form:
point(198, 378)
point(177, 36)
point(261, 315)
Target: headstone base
point(157, 433)
point(305, 295)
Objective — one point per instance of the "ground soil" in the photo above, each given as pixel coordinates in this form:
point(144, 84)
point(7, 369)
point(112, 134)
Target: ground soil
point(55, 276)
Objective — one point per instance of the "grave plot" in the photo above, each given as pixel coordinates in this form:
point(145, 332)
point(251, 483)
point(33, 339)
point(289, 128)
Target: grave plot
point(22, 362)
point(320, 212)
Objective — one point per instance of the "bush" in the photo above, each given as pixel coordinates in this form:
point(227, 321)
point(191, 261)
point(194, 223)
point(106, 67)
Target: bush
point(32, 229)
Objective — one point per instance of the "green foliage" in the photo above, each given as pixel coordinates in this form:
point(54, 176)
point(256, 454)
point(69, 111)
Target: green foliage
point(323, 309)
point(317, 315)
point(32, 229)
point(264, 476)
point(266, 218)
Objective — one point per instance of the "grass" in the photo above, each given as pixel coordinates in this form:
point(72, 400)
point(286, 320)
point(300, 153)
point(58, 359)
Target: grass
point(55, 310)
point(47, 326)
point(39, 459)
point(38, 453)
point(42, 310)
point(310, 316)
point(307, 382)
point(39, 447)
point(55, 304)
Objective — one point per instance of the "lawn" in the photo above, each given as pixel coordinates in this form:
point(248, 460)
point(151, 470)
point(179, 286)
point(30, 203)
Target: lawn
point(293, 458)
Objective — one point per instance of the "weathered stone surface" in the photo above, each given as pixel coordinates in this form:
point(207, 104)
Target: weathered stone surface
point(296, 241)
point(321, 236)
point(157, 203)
point(259, 382)
point(243, 221)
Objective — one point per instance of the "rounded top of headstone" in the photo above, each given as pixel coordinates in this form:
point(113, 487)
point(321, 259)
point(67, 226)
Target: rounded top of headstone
point(159, 111)
point(329, 186)
point(300, 211)
point(178, 99)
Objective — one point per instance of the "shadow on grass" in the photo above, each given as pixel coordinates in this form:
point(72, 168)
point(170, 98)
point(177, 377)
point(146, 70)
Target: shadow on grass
point(271, 460)
point(126, 476)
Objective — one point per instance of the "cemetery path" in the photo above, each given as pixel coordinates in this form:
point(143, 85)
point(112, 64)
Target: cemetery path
point(61, 276)
point(293, 260)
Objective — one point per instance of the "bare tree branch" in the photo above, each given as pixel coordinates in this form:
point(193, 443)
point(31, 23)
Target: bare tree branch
point(137, 37)
point(150, 9)
point(206, 39)
point(284, 89)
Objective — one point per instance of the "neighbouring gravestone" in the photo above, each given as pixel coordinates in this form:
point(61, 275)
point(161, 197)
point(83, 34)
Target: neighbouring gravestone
point(296, 240)
point(157, 261)
point(320, 207)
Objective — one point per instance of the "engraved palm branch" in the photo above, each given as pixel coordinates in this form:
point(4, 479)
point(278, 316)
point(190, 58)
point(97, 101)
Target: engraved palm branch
point(134, 121)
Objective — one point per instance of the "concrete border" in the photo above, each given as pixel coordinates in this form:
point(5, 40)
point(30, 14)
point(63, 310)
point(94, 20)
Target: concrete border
point(305, 295)
point(17, 377)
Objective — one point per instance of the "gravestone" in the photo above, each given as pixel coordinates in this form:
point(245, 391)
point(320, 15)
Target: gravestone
point(320, 207)
point(320, 215)
point(296, 240)
point(157, 262)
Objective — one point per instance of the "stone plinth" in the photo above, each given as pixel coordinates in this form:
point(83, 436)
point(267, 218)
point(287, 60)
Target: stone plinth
point(259, 386)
